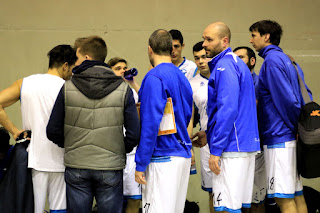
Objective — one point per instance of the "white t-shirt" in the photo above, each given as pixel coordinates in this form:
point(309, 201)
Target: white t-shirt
point(38, 95)
point(188, 68)
point(199, 86)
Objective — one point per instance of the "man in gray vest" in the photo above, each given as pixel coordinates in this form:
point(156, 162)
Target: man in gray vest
point(87, 120)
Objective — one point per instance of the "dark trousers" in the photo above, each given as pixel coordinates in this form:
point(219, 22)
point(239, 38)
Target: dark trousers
point(84, 184)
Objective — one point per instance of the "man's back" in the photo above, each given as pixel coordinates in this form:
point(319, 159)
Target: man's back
point(162, 82)
point(38, 94)
point(279, 97)
point(95, 102)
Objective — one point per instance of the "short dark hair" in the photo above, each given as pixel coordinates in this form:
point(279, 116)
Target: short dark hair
point(198, 46)
point(268, 26)
point(176, 35)
point(250, 52)
point(115, 60)
point(94, 46)
point(4, 140)
point(61, 54)
point(160, 42)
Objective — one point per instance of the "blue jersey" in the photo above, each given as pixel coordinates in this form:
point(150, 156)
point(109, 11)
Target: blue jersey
point(160, 83)
point(280, 99)
point(255, 79)
point(232, 117)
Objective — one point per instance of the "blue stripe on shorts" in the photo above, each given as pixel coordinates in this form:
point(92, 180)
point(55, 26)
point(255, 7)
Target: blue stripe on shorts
point(278, 145)
point(193, 172)
point(223, 208)
point(58, 211)
point(133, 197)
point(246, 205)
point(280, 195)
point(206, 189)
point(160, 159)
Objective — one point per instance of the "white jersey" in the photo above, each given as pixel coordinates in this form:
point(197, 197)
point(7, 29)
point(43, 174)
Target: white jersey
point(38, 95)
point(188, 68)
point(199, 86)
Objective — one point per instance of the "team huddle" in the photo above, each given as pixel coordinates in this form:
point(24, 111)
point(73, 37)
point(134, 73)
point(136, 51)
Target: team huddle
point(97, 134)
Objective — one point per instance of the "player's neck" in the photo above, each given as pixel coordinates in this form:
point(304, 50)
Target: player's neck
point(54, 71)
point(158, 59)
point(207, 75)
point(178, 62)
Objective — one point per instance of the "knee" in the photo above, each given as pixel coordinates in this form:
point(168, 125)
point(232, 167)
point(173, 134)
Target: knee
point(284, 202)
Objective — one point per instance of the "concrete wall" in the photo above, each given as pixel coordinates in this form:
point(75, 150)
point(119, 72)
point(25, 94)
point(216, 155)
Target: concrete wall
point(29, 29)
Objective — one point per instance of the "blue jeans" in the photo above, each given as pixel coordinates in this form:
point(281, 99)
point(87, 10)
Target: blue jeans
point(84, 184)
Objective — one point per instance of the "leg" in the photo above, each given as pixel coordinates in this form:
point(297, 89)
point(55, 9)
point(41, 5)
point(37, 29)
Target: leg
point(40, 185)
point(79, 190)
point(283, 179)
point(228, 187)
point(131, 189)
point(211, 202)
point(133, 206)
point(108, 187)
point(206, 174)
point(167, 184)
point(57, 192)
point(259, 185)
point(301, 204)
point(287, 205)
point(257, 208)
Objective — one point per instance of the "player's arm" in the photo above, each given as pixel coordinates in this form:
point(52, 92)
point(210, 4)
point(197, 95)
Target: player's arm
point(190, 130)
point(153, 100)
point(55, 127)
point(8, 97)
point(131, 122)
point(190, 126)
point(133, 84)
point(223, 113)
point(282, 94)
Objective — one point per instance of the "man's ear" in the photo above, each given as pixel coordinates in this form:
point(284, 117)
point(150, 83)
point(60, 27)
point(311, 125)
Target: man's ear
point(267, 38)
point(252, 61)
point(65, 66)
point(225, 42)
point(150, 51)
point(88, 57)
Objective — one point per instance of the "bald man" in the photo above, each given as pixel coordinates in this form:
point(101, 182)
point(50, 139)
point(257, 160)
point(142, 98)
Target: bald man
point(232, 130)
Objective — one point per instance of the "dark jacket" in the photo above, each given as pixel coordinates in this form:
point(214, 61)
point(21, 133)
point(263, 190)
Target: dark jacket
point(16, 190)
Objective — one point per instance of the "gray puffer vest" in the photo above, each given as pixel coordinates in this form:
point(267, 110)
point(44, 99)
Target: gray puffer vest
point(93, 128)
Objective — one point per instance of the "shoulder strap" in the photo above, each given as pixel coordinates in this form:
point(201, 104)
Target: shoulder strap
point(303, 89)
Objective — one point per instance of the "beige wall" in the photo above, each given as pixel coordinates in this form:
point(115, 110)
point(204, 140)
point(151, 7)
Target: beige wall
point(29, 29)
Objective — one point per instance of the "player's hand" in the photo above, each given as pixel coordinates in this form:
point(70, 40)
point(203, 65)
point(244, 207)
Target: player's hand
point(201, 139)
point(214, 164)
point(17, 133)
point(140, 178)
